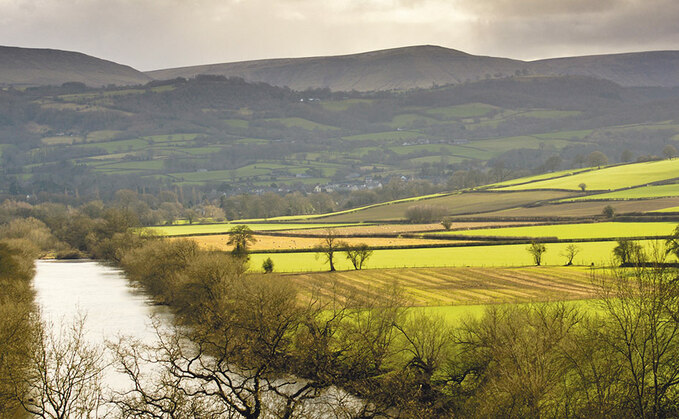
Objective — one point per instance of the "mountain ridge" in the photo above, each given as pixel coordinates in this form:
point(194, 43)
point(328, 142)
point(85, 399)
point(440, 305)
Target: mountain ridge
point(404, 68)
point(44, 66)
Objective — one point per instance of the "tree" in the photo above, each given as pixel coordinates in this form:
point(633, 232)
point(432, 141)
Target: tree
point(672, 244)
point(424, 213)
point(582, 186)
point(63, 374)
point(628, 251)
point(329, 246)
point(570, 252)
point(640, 332)
point(358, 255)
point(608, 211)
point(267, 265)
point(670, 151)
point(241, 237)
point(597, 158)
point(447, 223)
point(537, 249)
point(627, 156)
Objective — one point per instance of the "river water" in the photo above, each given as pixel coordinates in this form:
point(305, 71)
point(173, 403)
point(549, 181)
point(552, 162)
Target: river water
point(67, 290)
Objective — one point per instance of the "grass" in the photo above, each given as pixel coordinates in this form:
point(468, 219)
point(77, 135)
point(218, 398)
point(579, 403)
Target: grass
point(470, 110)
point(188, 230)
point(536, 178)
point(599, 253)
point(576, 231)
point(264, 243)
point(342, 105)
point(119, 146)
point(611, 177)
point(301, 123)
point(456, 204)
point(385, 136)
point(585, 208)
point(644, 192)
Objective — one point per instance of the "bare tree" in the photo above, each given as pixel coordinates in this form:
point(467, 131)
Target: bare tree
point(570, 252)
point(537, 249)
point(329, 246)
point(63, 375)
point(358, 255)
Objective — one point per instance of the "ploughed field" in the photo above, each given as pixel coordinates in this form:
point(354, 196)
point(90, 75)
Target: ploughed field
point(454, 286)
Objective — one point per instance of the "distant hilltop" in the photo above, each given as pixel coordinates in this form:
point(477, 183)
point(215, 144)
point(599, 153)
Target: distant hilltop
point(34, 67)
point(390, 69)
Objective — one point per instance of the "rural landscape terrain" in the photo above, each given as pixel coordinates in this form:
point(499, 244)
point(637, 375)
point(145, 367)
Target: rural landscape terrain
point(415, 232)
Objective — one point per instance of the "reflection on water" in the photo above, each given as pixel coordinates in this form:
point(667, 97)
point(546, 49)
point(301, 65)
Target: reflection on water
point(66, 290)
point(112, 306)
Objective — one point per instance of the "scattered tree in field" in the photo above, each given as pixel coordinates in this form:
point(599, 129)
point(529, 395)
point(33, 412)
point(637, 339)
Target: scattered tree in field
point(329, 246)
point(670, 151)
point(358, 255)
point(672, 244)
point(241, 237)
point(582, 186)
point(537, 249)
point(447, 223)
point(628, 251)
point(608, 211)
point(267, 265)
point(597, 158)
point(570, 252)
point(425, 213)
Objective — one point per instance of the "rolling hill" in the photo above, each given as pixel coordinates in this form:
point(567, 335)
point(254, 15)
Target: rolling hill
point(427, 65)
point(34, 67)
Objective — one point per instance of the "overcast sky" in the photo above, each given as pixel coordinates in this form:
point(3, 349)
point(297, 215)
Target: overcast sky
point(153, 34)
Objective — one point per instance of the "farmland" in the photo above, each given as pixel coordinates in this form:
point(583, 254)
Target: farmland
point(609, 178)
point(599, 253)
point(456, 286)
point(455, 204)
point(193, 229)
point(577, 231)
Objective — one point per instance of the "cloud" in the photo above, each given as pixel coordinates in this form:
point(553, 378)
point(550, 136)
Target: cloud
point(150, 34)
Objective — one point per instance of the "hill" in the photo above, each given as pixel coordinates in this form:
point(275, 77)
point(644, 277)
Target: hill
point(652, 68)
point(391, 69)
point(427, 66)
point(34, 67)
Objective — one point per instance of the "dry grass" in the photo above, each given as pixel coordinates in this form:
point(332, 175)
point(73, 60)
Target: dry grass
point(290, 242)
point(405, 228)
point(454, 286)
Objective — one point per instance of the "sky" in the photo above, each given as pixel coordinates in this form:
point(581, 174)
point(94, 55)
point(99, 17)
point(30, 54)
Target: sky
point(155, 34)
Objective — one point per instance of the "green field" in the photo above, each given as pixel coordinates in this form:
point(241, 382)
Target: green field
point(455, 204)
point(599, 253)
point(471, 110)
point(610, 178)
point(575, 231)
point(187, 230)
point(301, 123)
point(536, 178)
point(644, 192)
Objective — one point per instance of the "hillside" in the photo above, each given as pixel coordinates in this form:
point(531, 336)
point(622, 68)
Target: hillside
point(34, 67)
point(653, 68)
point(426, 66)
point(391, 69)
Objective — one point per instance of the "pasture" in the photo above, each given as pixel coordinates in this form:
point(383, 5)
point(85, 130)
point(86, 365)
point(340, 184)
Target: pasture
point(644, 192)
point(455, 204)
point(515, 255)
point(602, 230)
point(610, 178)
